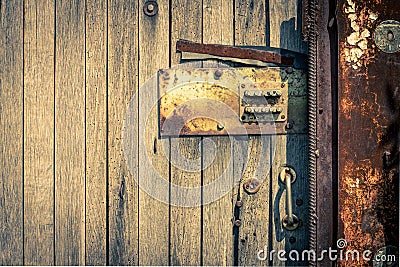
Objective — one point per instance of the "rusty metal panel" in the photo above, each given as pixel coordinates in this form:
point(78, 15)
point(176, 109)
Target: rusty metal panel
point(369, 120)
point(231, 101)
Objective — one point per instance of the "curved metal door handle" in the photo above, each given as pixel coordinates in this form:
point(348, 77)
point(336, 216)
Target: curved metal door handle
point(290, 221)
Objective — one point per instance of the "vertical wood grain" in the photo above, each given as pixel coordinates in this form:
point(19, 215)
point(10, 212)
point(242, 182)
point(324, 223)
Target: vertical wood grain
point(251, 29)
point(153, 161)
point(218, 21)
point(285, 32)
point(279, 234)
point(254, 214)
point(70, 133)
point(186, 19)
point(250, 22)
point(185, 227)
point(39, 132)
point(11, 133)
point(96, 135)
point(73, 120)
point(285, 24)
point(185, 222)
point(122, 84)
point(217, 225)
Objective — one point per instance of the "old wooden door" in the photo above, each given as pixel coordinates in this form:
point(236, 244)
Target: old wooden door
point(69, 192)
point(220, 232)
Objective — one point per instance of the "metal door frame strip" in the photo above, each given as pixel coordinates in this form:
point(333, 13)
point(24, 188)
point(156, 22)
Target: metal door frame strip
point(323, 88)
point(311, 36)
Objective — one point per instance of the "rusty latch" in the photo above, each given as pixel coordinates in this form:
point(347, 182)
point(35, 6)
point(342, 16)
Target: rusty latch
point(233, 52)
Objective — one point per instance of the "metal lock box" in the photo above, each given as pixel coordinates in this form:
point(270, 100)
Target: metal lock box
point(232, 101)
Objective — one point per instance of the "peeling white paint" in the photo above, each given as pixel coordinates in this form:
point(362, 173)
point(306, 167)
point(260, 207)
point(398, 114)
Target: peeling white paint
point(356, 47)
point(372, 16)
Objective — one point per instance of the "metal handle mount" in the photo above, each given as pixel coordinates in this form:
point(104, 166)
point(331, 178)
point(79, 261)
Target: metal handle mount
point(290, 221)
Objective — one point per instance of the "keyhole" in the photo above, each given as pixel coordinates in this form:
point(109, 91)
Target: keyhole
point(390, 35)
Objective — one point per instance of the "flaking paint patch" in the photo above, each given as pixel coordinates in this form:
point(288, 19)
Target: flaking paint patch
point(358, 44)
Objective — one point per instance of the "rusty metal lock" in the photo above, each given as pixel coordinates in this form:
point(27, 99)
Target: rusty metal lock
point(387, 36)
point(226, 101)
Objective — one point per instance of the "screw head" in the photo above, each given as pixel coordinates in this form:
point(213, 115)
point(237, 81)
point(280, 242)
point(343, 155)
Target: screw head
point(299, 202)
point(150, 8)
point(237, 223)
point(239, 203)
point(220, 126)
point(217, 74)
point(292, 239)
point(289, 70)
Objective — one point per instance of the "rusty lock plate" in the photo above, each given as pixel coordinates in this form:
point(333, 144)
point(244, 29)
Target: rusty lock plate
point(227, 101)
point(387, 36)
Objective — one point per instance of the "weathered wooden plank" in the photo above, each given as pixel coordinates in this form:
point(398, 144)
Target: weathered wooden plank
point(11, 133)
point(217, 225)
point(278, 201)
point(252, 160)
point(186, 19)
point(251, 22)
point(185, 228)
point(39, 132)
point(285, 32)
point(251, 29)
point(70, 133)
point(96, 131)
point(285, 25)
point(185, 222)
point(217, 154)
point(122, 84)
point(290, 150)
point(218, 22)
point(153, 152)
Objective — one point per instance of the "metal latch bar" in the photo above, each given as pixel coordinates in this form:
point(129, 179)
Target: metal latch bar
point(232, 51)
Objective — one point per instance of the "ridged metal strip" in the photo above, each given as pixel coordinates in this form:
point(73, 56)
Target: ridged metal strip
point(312, 106)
